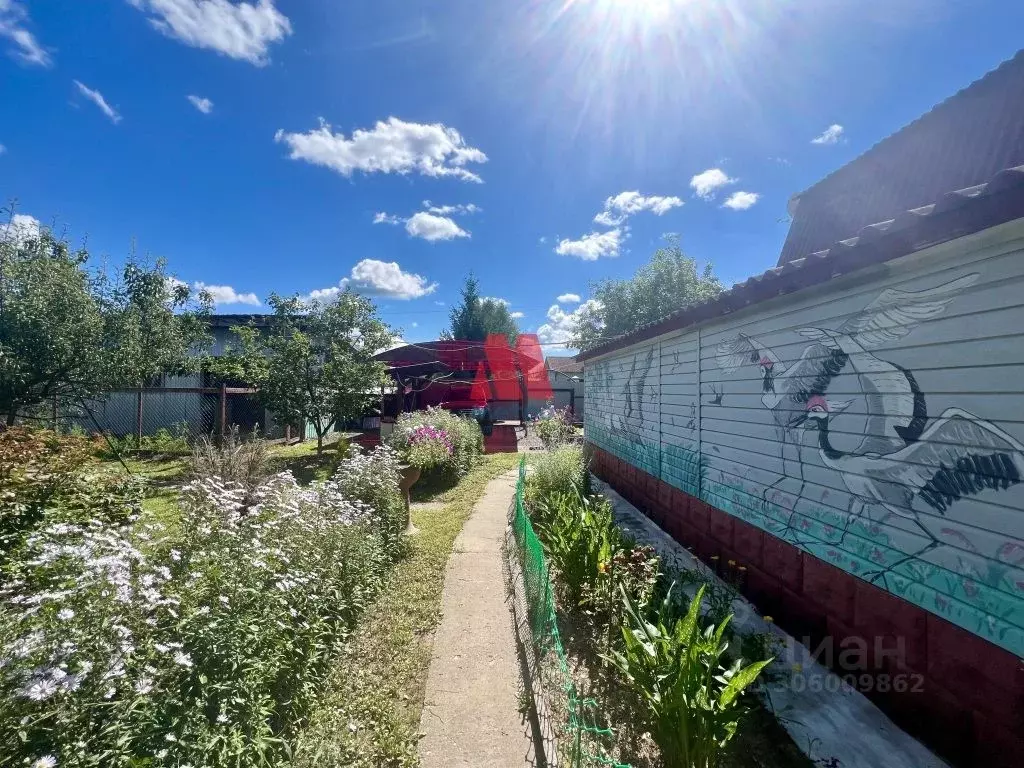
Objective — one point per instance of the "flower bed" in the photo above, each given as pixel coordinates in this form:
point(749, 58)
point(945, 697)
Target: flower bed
point(438, 442)
point(126, 646)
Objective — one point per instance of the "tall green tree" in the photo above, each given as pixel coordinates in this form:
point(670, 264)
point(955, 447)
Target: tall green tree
point(669, 282)
point(315, 361)
point(476, 317)
point(73, 333)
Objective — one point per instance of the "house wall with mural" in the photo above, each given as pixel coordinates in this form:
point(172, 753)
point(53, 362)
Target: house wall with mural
point(874, 424)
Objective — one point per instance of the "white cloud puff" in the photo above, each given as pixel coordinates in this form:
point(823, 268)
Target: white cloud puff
point(20, 228)
point(378, 278)
point(707, 183)
point(391, 146)
point(432, 228)
point(225, 294)
point(203, 105)
point(239, 30)
point(593, 246)
point(623, 205)
point(830, 135)
point(740, 201)
point(448, 210)
point(559, 327)
point(13, 26)
point(569, 298)
point(517, 315)
point(97, 98)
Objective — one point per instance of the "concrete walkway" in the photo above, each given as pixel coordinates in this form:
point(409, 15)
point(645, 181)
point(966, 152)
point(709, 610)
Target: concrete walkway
point(471, 713)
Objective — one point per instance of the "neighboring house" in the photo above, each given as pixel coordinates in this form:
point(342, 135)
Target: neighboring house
point(849, 425)
point(186, 403)
point(566, 377)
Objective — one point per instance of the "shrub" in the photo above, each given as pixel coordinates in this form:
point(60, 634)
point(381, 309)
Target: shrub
point(121, 648)
point(372, 478)
point(464, 435)
point(245, 462)
point(693, 702)
point(555, 427)
point(45, 475)
point(563, 470)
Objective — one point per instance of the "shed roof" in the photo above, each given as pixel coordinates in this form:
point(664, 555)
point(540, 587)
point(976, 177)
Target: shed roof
point(567, 365)
point(961, 142)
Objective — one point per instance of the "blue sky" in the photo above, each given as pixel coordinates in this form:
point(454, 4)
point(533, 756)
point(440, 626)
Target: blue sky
point(394, 145)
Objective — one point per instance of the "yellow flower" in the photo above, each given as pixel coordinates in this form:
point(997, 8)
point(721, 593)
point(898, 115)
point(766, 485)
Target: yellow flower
point(769, 619)
point(602, 567)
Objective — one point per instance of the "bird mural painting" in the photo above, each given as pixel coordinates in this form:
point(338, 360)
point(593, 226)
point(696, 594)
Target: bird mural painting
point(956, 455)
point(895, 405)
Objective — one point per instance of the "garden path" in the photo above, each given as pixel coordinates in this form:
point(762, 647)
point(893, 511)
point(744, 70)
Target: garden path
point(471, 713)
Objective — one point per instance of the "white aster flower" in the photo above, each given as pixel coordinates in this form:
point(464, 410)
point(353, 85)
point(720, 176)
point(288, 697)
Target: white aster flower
point(183, 659)
point(65, 614)
point(46, 761)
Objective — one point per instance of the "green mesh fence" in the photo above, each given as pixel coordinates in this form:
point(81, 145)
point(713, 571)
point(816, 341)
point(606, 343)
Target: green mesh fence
point(570, 725)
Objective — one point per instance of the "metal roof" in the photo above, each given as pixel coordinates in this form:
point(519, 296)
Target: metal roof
point(962, 141)
point(956, 214)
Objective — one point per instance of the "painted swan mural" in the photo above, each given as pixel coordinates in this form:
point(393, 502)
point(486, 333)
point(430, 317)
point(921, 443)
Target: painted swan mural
point(903, 454)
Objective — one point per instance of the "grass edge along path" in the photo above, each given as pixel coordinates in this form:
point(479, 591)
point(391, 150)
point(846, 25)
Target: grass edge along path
point(370, 711)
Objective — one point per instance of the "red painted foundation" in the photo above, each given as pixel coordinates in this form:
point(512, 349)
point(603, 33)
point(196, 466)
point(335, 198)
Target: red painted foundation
point(964, 697)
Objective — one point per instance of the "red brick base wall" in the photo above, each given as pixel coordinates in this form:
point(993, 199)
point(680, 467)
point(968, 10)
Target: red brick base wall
point(965, 696)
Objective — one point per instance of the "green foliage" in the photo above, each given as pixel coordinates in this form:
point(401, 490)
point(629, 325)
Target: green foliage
point(669, 282)
point(315, 362)
point(45, 476)
point(464, 436)
point(72, 333)
point(245, 462)
point(475, 318)
point(563, 470)
point(693, 702)
point(555, 428)
point(163, 442)
point(121, 646)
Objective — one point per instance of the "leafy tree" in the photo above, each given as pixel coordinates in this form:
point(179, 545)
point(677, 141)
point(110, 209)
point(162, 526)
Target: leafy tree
point(72, 333)
point(476, 317)
point(669, 282)
point(315, 361)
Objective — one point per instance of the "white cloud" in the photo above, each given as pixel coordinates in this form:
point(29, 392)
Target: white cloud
point(831, 135)
point(19, 228)
point(97, 98)
point(559, 327)
point(433, 228)
point(379, 278)
point(543, 240)
point(740, 201)
point(623, 205)
point(447, 210)
point(2, 149)
point(496, 299)
point(517, 315)
point(707, 183)
point(414, 324)
point(391, 146)
point(386, 218)
point(27, 49)
point(203, 105)
point(439, 303)
point(593, 246)
point(225, 294)
point(240, 30)
point(569, 298)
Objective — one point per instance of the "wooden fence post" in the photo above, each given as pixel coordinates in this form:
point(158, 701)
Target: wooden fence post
point(223, 412)
point(138, 420)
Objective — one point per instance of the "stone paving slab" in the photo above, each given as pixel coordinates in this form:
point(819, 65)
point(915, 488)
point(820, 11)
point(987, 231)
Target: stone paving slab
point(471, 713)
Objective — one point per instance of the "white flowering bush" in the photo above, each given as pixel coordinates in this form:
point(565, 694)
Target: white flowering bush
point(123, 646)
point(372, 478)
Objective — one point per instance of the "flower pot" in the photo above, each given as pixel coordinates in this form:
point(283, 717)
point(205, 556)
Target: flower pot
point(407, 479)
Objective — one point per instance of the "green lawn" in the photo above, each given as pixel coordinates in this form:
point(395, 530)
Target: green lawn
point(370, 714)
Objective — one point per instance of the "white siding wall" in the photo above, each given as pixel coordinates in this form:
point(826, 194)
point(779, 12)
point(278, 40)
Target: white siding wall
point(682, 407)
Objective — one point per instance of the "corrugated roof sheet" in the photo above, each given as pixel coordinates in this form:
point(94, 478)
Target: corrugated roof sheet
point(570, 366)
point(955, 214)
point(961, 142)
